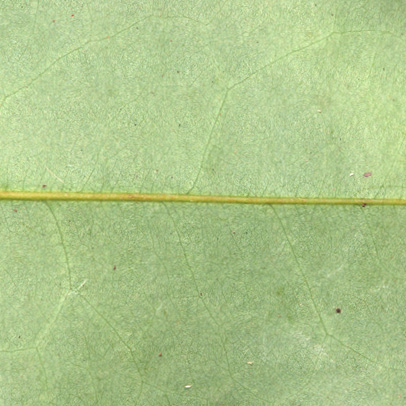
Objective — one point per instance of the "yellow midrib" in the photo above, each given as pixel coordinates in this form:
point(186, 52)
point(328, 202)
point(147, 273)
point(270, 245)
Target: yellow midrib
point(161, 197)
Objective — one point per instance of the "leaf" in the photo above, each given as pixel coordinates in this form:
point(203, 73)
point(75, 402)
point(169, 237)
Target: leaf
point(202, 303)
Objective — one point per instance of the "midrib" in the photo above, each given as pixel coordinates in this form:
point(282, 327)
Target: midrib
point(183, 198)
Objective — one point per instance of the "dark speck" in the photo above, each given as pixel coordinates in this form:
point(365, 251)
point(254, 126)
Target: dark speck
point(364, 204)
point(338, 310)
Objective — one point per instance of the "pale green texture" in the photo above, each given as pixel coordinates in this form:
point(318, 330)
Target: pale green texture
point(243, 97)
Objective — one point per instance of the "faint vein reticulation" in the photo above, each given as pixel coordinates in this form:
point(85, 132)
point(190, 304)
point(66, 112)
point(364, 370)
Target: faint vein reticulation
point(63, 245)
point(190, 267)
point(219, 326)
point(40, 339)
point(376, 362)
point(210, 136)
point(327, 334)
point(254, 73)
point(118, 335)
point(175, 306)
point(44, 371)
point(63, 56)
point(301, 271)
point(208, 142)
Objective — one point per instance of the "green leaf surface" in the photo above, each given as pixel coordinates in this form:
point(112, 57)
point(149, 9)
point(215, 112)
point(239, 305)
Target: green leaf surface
point(123, 303)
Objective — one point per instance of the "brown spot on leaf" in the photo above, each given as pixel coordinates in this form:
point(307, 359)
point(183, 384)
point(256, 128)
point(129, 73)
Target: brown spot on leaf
point(367, 174)
point(338, 310)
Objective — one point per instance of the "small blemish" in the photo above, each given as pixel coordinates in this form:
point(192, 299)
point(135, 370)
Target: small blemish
point(338, 310)
point(367, 174)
